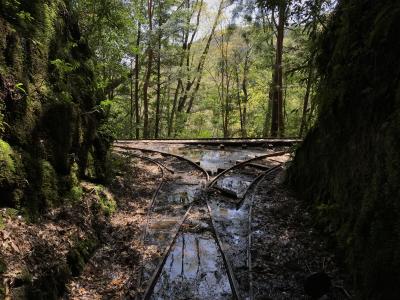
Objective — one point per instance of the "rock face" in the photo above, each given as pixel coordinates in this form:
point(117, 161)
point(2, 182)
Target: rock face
point(50, 118)
point(348, 167)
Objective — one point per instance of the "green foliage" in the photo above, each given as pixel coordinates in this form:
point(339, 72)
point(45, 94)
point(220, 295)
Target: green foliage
point(64, 68)
point(20, 86)
point(25, 16)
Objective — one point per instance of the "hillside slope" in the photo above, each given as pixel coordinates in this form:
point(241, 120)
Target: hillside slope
point(348, 167)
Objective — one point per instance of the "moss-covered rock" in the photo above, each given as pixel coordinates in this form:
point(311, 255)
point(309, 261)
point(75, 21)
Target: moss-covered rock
point(49, 184)
point(108, 205)
point(11, 175)
point(348, 167)
point(47, 98)
point(7, 165)
point(80, 254)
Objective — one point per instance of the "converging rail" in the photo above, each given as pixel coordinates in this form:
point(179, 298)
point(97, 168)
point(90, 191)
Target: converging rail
point(200, 224)
point(164, 153)
point(229, 216)
point(166, 186)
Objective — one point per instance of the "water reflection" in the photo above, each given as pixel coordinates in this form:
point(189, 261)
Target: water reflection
point(232, 226)
point(210, 158)
point(194, 270)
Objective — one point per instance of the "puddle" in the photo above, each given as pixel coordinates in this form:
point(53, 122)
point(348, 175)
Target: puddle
point(167, 212)
point(194, 269)
point(209, 158)
point(232, 227)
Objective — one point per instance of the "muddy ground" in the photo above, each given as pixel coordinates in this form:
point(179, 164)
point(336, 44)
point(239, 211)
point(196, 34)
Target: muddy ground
point(79, 252)
point(286, 248)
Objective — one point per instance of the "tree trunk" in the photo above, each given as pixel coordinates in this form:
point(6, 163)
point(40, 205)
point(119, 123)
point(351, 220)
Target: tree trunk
point(306, 99)
point(148, 72)
point(245, 94)
point(277, 124)
point(137, 66)
point(158, 100)
point(131, 103)
point(239, 100)
point(173, 110)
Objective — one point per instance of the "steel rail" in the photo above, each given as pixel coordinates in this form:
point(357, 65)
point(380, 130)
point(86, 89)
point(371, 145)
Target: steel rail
point(212, 182)
point(159, 164)
point(256, 180)
point(166, 153)
point(215, 141)
point(161, 167)
point(228, 266)
point(231, 274)
point(250, 231)
point(156, 273)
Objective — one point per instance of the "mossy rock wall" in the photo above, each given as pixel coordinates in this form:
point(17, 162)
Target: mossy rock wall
point(49, 116)
point(348, 167)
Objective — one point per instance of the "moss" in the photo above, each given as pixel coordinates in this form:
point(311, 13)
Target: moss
point(107, 202)
point(49, 186)
point(80, 254)
point(90, 171)
point(47, 86)
point(7, 166)
point(75, 194)
point(348, 167)
point(11, 176)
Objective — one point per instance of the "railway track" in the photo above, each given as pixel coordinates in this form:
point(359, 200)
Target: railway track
point(229, 201)
point(170, 205)
point(203, 241)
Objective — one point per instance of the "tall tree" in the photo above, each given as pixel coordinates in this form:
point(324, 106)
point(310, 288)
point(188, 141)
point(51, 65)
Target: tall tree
point(277, 122)
point(137, 72)
point(150, 54)
point(158, 99)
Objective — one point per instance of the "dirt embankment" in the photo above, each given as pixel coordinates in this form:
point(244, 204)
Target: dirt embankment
point(86, 250)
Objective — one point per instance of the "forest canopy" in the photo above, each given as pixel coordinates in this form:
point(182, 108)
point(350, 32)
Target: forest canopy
point(196, 68)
